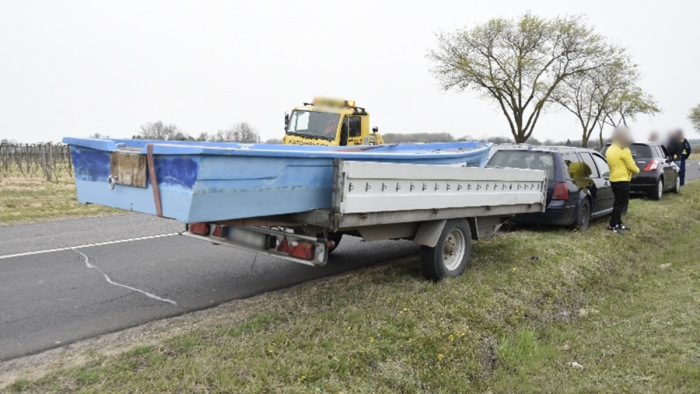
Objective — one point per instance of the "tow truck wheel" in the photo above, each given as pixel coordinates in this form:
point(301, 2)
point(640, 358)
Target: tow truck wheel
point(450, 255)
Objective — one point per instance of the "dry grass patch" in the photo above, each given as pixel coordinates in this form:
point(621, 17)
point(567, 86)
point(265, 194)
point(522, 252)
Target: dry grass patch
point(32, 199)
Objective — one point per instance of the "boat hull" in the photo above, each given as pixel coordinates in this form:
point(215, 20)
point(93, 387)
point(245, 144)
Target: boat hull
point(205, 182)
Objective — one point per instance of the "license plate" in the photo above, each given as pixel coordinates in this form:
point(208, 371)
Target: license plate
point(247, 238)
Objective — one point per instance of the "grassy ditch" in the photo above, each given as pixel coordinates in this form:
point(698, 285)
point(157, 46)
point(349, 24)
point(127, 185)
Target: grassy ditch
point(537, 311)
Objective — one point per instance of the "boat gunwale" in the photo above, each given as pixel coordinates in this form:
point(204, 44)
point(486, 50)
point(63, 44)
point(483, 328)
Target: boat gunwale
point(446, 150)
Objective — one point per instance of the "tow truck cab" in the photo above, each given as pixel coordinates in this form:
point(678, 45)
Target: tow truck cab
point(330, 122)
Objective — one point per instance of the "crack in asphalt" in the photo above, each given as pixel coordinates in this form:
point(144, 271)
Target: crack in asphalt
point(110, 281)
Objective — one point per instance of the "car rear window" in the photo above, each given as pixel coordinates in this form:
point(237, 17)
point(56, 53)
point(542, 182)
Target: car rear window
point(523, 159)
point(640, 151)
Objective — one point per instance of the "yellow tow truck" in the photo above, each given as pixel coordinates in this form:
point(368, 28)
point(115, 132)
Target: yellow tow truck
point(330, 122)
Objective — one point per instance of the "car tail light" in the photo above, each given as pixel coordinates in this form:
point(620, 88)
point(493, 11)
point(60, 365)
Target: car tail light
point(652, 165)
point(561, 192)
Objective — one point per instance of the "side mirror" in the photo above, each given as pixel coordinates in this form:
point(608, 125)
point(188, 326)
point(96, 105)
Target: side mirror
point(606, 176)
point(375, 129)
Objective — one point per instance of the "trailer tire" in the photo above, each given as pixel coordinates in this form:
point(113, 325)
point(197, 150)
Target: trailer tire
point(449, 257)
point(335, 237)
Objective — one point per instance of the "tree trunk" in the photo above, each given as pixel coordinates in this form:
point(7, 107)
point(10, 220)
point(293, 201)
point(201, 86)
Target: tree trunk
point(584, 141)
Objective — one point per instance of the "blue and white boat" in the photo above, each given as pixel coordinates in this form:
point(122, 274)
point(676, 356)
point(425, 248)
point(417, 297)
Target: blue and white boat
point(207, 182)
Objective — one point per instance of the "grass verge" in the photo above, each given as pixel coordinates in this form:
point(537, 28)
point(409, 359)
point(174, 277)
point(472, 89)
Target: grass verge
point(537, 311)
point(33, 199)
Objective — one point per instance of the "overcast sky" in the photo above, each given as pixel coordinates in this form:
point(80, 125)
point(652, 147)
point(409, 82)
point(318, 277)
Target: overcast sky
point(73, 68)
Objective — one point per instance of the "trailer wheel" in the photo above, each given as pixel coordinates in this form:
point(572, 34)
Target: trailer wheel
point(450, 255)
point(335, 237)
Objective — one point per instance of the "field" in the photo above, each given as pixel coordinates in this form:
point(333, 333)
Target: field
point(31, 199)
point(537, 311)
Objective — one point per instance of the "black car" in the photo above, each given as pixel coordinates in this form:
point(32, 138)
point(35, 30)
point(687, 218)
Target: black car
point(657, 171)
point(578, 188)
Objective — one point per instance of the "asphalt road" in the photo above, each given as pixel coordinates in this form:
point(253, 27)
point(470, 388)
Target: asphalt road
point(69, 280)
point(62, 295)
point(692, 170)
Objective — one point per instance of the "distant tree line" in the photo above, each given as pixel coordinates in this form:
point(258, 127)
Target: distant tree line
point(239, 132)
point(399, 138)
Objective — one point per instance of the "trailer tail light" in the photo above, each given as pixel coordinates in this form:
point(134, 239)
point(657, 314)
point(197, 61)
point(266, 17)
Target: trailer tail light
point(652, 165)
point(200, 228)
point(297, 248)
point(561, 191)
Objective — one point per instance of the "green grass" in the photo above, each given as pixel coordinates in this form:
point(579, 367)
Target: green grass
point(33, 199)
point(537, 311)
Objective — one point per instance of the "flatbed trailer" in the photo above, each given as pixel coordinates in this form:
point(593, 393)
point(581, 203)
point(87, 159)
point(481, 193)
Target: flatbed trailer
point(440, 207)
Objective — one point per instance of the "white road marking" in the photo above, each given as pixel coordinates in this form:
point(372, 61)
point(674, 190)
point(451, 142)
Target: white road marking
point(9, 256)
point(110, 281)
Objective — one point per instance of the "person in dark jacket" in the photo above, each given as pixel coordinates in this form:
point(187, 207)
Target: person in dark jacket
point(673, 146)
point(683, 150)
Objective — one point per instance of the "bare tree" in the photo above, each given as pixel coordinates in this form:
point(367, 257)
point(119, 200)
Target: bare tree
point(591, 96)
point(98, 136)
point(519, 63)
point(160, 131)
point(240, 132)
point(203, 136)
point(626, 105)
point(246, 132)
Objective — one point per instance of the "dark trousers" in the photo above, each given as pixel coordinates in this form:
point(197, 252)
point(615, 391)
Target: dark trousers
point(621, 190)
point(681, 173)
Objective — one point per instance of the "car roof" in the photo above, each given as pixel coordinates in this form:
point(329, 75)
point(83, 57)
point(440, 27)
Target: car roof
point(543, 148)
point(648, 143)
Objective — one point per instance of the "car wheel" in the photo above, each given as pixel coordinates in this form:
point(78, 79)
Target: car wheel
point(583, 216)
point(659, 193)
point(677, 186)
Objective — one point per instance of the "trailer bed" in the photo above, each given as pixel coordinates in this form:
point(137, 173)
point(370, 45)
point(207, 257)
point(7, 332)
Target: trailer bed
point(389, 201)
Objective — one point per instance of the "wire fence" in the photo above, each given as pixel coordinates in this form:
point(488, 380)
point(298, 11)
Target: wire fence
point(50, 161)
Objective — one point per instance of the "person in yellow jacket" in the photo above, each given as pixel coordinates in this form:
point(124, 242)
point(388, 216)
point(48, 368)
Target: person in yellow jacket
point(622, 167)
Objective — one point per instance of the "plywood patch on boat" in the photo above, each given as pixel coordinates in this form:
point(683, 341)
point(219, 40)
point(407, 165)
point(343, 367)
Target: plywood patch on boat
point(128, 168)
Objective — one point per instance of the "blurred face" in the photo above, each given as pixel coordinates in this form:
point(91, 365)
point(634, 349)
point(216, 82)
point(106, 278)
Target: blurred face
point(623, 138)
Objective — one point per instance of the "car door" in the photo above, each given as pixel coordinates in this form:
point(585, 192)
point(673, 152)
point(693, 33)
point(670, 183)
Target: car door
point(605, 193)
point(597, 183)
point(353, 125)
point(669, 167)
